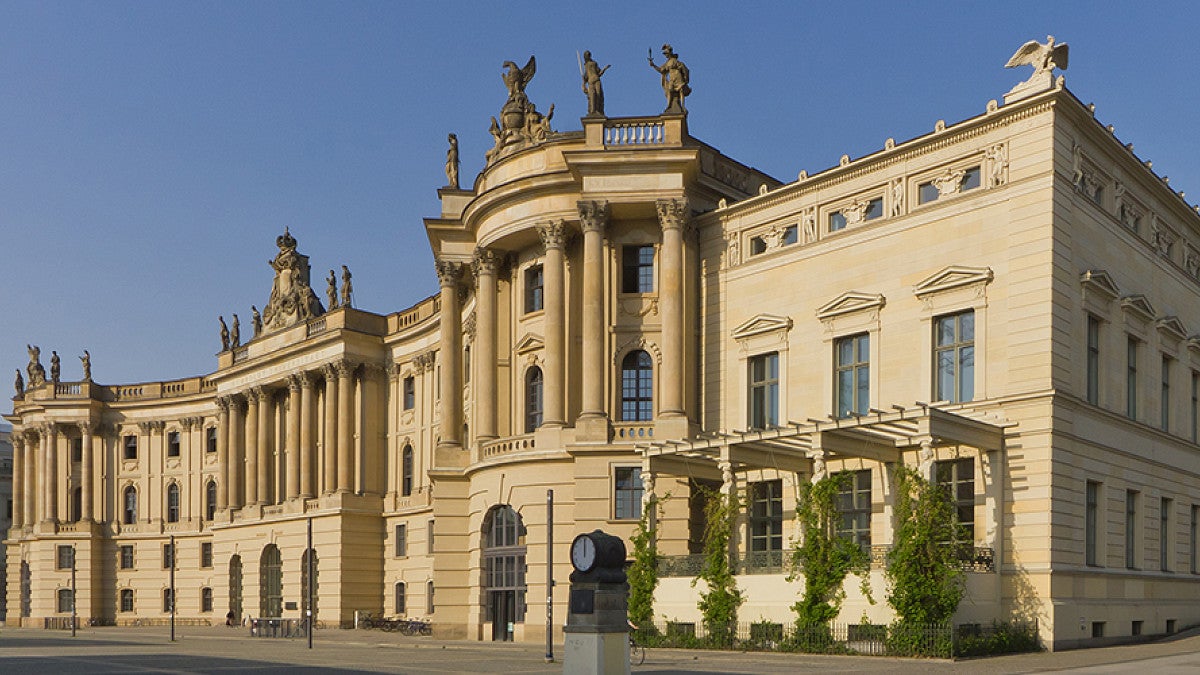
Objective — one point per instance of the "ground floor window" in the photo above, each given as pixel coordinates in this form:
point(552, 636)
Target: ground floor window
point(401, 599)
point(65, 600)
point(957, 476)
point(126, 600)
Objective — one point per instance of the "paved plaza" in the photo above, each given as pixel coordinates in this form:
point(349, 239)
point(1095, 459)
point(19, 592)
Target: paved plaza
point(220, 650)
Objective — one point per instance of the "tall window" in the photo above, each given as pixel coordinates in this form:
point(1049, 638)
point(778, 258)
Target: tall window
point(1131, 511)
point(1195, 405)
point(206, 599)
point(627, 493)
point(210, 500)
point(129, 514)
point(401, 599)
point(65, 600)
point(126, 599)
point(410, 392)
point(401, 540)
point(206, 558)
point(958, 477)
point(429, 598)
point(210, 439)
point(172, 444)
point(126, 554)
point(76, 449)
point(637, 269)
point(533, 399)
point(1193, 533)
point(1131, 348)
point(131, 447)
point(65, 558)
point(637, 387)
point(766, 517)
point(168, 558)
point(406, 471)
point(764, 391)
point(1091, 522)
point(1164, 534)
point(1093, 360)
point(173, 503)
point(852, 375)
point(534, 284)
point(270, 582)
point(1165, 398)
point(429, 538)
point(854, 508)
point(168, 600)
point(955, 357)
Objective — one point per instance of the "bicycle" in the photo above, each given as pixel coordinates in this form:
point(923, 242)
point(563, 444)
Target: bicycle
point(637, 653)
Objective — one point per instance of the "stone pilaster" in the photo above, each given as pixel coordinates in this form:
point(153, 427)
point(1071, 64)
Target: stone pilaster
point(307, 446)
point(222, 453)
point(255, 493)
point(293, 438)
point(487, 262)
point(554, 235)
point(329, 458)
point(450, 383)
point(593, 219)
point(18, 483)
point(672, 216)
point(86, 499)
point(345, 436)
point(52, 484)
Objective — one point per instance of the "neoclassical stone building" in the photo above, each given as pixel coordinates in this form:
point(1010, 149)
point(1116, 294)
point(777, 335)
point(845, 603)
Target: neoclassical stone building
point(1008, 303)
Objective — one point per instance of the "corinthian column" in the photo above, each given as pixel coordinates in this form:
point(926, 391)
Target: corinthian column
point(672, 215)
point(85, 472)
point(222, 453)
point(237, 452)
point(262, 474)
point(329, 457)
point(306, 436)
point(554, 235)
point(345, 437)
point(31, 485)
point(253, 440)
point(486, 262)
point(19, 485)
point(593, 218)
point(51, 488)
point(450, 384)
point(293, 437)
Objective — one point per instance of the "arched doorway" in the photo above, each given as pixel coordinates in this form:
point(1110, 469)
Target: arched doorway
point(316, 581)
point(26, 589)
point(270, 583)
point(235, 588)
point(503, 570)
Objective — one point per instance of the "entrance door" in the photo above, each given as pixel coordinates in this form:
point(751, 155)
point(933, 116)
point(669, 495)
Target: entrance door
point(504, 570)
point(235, 588)
point(503, 611)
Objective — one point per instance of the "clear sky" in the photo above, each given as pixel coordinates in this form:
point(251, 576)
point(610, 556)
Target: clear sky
point(150, 152)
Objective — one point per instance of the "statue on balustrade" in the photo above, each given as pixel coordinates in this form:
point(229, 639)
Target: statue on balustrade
point(452, 163)
point(235, 335)
point(675, 79)
point(87, 366)
point(347, 287)
point(20, 383)
point(331, 292)
point(520, 123)
point(592, 72)
point(37, 373)
point(55, 367)
point(256, 320)
point(224, 334)
point(292, 299)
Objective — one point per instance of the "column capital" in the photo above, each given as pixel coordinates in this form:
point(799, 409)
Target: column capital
point(293, 383)
point(222, 403)
point(449, 272)
point(307, 380)
point(87, 428)
point(553, 234)
point(257, 393)
point(345, 367)
point(593, 215)
point(392, 369)
point(673, 214)
point(486, 261)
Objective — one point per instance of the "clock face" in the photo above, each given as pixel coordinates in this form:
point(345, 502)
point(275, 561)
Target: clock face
point(583, 553)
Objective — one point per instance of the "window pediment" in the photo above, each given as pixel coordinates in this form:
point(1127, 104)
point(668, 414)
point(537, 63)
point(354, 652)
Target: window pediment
point(1138, 306)
point(1101, 282)
point(529, 343)
point(1171, 328)
point(954, 276)
point(850, 302)
point(761, 325)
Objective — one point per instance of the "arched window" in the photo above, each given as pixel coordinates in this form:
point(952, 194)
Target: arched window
point(637, 387)
point(270, 582)
point(210, 500)
point(504, 565)
point(533, 399)
point(401, 599)
point(235, 587)
point(406, 471)
point(129, 514)
point(173, 503)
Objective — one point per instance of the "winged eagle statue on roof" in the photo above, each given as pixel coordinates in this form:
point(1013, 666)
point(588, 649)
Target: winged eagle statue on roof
point(517, 78)
point(1044, 58)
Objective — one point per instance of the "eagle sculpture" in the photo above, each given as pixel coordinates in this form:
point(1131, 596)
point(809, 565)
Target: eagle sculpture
point(1043, 57)
point(517, 78)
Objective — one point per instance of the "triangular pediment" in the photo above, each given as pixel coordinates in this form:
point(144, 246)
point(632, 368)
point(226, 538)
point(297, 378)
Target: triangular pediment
point(1101, 282)
point(954, 276)
point(760, 324)
point(1171, 327)
point(529, 343)
point(1139, 306)
point(850, 301)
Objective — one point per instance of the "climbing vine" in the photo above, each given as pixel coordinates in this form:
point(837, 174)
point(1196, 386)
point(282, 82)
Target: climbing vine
point(719, 603)
point(643, 573)
point(823, 557)
point(924, 580)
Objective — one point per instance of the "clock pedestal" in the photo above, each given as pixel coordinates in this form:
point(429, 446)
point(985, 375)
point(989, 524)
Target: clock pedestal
point(597, 630)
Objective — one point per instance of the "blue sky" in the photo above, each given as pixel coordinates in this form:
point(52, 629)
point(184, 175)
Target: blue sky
point(150, 153)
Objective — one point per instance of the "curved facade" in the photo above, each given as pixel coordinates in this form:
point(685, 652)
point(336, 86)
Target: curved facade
point(626, 313)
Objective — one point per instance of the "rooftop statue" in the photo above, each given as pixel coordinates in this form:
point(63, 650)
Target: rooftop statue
point(37, 373)
point(1044, 58)
point(331, 293)
point(55, 367)
point(452, 163)
point(224, 334)
point(520, 123)
point(87, 366)
point(592, 72)
point(235, 334)
point(347, 287)
point(675, 78)
point(292, 299)
point(256, 320)
point(516, 79)
point(19, 384)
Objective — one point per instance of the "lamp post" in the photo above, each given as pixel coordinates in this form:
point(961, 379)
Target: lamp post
point(172, 588)
point(308, 613)
point(74, 612)
point(549, 576)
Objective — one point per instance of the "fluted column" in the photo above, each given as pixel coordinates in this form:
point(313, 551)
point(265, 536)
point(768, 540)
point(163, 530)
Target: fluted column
point(253, 494)
point(345, 437)
point(486, 263)
point(554, 236)
point(329, 459)
point(261, 475)
point(18, 483)
point(85, 472)
point(222, 453)
point(307, 490)
point(31, 486)
point(672, 216)
point(237, 452)
point(293, 438)
point(593, 218)
point(450, 436)
point(51, 488)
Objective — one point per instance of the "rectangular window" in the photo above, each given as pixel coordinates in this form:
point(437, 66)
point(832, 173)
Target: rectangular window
point(1165, 397)
point(168, 557)
point(1193, 533)
point(534, 284)
point(126, 556)
point(401, 540)
point(65, 600)
point(854, 508)
point(972, 178)
point(1136, 628)
point(76, 449)
point(206, 599)
point(1091, 523)
point(210, 439)
point(766, 516)
point(429, 598)
point(131, 447)
point(1195, 405)
point(791, 235)
point(637, 269)
point(1097, 629)
point(410, 392)
point(1131, 347)
point(126, 599)
point(429, 540)
point(757, 245)
point(401, 600)
point(1131, 534)
point(837, 221)
point(958, 477)
point(954, 355)
point(1093, 360)
point(627, 493)
point(764, 391)
point(65, 558)
point(172, 444)
point(168, 600)
point(206, 557)
point(1164, 534)
point(926, 192)
point(852, 375)
point(874, 209)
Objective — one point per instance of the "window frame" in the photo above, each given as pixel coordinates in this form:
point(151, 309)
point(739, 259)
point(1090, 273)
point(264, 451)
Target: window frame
point(64, 557)
point(637, 268)
point(763, 391)
point(407, 471)
point(1132, 499)
point(637, 387)
point(206, 599)
point(963, 375)
point(1092, 386)
point(1091, 524)
point(849, 510)
point(400, 598)
point(1164, 403)
point(534, 296)
point(173, 499)
point(168, 555)
point(210, 439)
point(409, 389)
point(534, 398)
point(123, 595)
point(956, 483)
point(1131, 383)
point(130, 447)
point(765, 524)
point(1166, 507)
point(859, 369)
point(174, 443)
point(627, 496)
point(125, 557)
point(129, 505)
point(400, 543)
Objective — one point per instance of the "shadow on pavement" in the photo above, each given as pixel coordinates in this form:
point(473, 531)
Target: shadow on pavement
point(117, 663)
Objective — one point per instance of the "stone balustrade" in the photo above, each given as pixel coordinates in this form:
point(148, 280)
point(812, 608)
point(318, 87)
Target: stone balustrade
point(631, 431)
point(634, 131)
point(507, 446)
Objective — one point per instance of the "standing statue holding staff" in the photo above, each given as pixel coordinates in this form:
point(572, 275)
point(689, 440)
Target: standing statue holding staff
point(592, 72)
point(675, 78)
point(452, 163)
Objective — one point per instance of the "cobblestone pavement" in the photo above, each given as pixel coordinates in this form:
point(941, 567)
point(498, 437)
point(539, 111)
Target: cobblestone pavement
point(220, 650)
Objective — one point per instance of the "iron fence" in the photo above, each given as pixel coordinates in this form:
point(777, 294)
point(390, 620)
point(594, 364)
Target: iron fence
point(278, 628)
